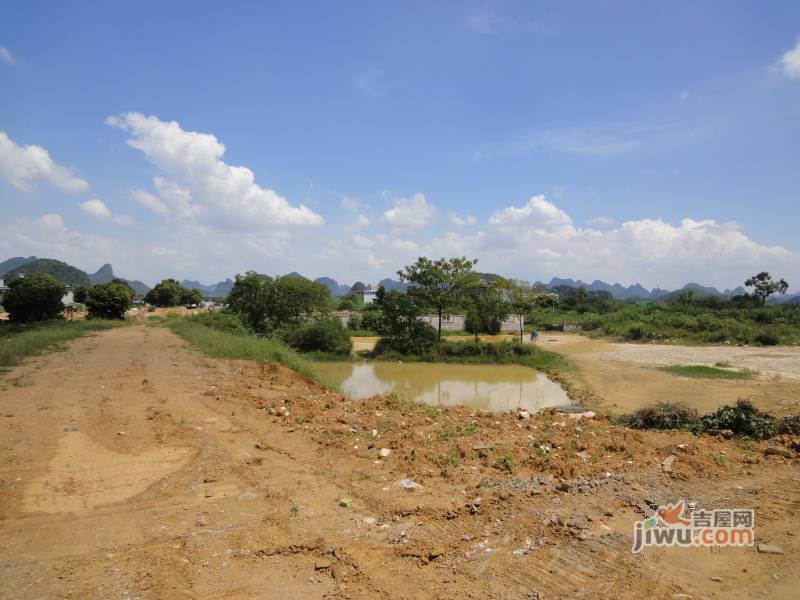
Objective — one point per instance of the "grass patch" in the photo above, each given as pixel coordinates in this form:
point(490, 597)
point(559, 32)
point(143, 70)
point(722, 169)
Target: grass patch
point(19, 341)
point(483, 353)
point(223, 344)
point(702, 372)
point(506, 462)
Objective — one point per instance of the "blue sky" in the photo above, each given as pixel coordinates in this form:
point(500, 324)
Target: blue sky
point(651, 142)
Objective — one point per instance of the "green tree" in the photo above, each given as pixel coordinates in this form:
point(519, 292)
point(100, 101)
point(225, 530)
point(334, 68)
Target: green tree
point(521, 299)
point(79, 294)
point(380, 294)
point(251, 298)
point(108, 300)
point(763, 286)
point(440, 284)
point(402, 327)
point(191, 296)
point(34, 298)
point(265, 304)
point(168, 292)
point(297, 298)
point(486, 311)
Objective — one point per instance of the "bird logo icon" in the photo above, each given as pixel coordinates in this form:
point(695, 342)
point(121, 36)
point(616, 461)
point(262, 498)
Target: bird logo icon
point(670, 514)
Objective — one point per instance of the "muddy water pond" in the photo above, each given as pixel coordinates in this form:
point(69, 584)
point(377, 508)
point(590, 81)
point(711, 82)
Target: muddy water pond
point(484, 387)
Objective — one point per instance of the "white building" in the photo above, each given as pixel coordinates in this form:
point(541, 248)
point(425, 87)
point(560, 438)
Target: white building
point(367, 295)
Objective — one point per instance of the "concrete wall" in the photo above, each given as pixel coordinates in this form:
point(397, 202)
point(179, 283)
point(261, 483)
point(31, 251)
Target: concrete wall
point(511, 325)
point(449, 322)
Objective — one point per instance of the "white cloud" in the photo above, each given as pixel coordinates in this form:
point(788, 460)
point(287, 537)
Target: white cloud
point(609, 140)
point(600, 221)
point(124, 220)
point(6, 56)
point(410, 213)
point(50, 221)
point(359, 241)
point(367, 82)
point(538, 240)
point(485, 22)
point(537, 212)
point(23, 166)
point(96, 208)
point(150, 202)
point(197, 185)
point(459, 221)
point(48, 236)
point(790, 62)
point(684, 96)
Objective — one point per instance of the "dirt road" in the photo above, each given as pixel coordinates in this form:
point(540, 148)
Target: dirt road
point(132, 466)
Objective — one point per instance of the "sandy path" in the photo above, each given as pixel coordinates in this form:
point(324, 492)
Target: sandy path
point(131, 466)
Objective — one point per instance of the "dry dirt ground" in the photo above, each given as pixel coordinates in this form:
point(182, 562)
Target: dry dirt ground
point(134, 467)
point(623, 376)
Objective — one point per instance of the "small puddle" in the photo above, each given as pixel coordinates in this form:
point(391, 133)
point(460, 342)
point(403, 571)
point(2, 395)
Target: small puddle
point(482, 387)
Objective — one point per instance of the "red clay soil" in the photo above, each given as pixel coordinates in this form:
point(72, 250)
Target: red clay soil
point(134, 466)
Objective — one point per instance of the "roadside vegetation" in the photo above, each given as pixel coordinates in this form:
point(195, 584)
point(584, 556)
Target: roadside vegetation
point(703, 372)
point(224, 336)
point(742, 420)
point(687, 318)
point(36, 314)
point(18, 341)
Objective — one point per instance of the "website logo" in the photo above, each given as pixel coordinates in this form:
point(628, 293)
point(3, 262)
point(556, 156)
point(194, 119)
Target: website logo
point(682, 524)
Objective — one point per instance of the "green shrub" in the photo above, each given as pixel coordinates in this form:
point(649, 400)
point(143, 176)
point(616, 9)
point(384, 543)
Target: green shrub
point(662, 415)
point(34, 298)
point(767, 338)
point(322, 335)
point(221, 321)
point(743, 419)
point(108, 300)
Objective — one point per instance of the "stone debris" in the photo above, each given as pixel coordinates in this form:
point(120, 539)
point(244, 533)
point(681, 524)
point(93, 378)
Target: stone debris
point(408, 485)
point(769, 549)
point(666, 464)
point(773, 451)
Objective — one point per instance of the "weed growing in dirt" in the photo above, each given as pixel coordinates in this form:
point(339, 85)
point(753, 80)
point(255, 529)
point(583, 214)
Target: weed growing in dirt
point(719, 458)
point(741, 419)
point(702, 372)
point(465, 430)
point(19, 341)
point(224, 344)
point(507, 462)
point(452, 459)
point(662, 415)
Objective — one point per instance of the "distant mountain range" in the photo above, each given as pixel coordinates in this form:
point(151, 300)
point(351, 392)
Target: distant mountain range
point(214, 290)
point(13, 263)
point(637, 291)
point(64, 273)
point(69, 274)
point(106, 273)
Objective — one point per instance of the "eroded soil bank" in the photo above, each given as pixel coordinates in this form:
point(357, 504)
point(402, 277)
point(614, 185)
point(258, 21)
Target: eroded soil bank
point(133, 466)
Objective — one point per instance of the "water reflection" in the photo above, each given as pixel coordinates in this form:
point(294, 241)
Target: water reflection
point(487, 387)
